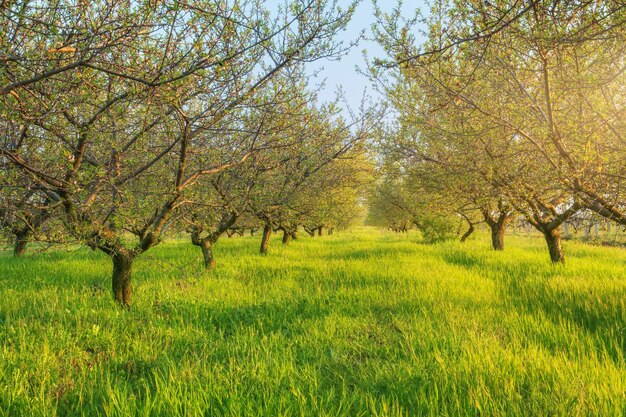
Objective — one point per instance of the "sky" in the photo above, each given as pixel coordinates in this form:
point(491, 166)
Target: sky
point(344, 73)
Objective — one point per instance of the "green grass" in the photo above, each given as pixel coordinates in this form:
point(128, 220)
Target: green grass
point(360, 323)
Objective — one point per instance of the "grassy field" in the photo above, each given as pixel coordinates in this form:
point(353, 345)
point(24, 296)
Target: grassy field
point(360, 323)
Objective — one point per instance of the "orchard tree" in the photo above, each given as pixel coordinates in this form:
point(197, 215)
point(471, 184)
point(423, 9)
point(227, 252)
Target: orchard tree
point(539, 82)
point(219, 201)
point(125, 105)
point(386, 207)
point(24, 210)
point(303, 184)
point(332, 198)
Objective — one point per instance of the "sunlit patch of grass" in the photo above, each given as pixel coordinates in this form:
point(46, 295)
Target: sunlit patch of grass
point(358, 323)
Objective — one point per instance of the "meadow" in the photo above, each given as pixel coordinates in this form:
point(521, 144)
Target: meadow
point(360, 323)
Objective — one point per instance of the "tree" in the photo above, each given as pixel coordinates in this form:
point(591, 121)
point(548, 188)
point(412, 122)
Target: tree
point(310, 181)
point(539, 85)
point(217, 202)
point(332, 198)
point(120, 128)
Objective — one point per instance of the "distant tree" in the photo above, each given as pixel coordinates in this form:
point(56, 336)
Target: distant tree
point(402, 199)
point(333, 197)
point(310, 181)
point(23, 210)
point(274, 124)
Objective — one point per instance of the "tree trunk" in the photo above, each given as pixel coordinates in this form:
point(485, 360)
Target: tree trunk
point(468, 233)
point(21, 240)
point(286, 237)
point(320, 230)
point(265, 240)
point(553, 239)
point(122, 269)
point(497, 235)
point(497, 224)
point(207, 253)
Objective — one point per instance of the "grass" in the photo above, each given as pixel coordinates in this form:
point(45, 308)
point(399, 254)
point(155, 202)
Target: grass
point(360, 323)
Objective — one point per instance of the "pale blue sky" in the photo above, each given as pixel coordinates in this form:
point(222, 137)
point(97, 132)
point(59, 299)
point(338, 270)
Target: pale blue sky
point(344, 73)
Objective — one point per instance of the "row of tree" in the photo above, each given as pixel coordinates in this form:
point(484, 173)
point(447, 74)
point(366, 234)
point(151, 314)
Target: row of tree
point(503, 109)
point(124, 120)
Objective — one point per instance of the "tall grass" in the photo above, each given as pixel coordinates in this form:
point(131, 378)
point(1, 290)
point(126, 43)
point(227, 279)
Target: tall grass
point(355, 324)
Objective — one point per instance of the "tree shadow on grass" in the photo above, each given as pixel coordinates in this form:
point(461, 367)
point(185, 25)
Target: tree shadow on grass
point(601, 315)
point(285, 317)
point(462, 258)
point(526, 285)
point(62, 269)
point(375, 253)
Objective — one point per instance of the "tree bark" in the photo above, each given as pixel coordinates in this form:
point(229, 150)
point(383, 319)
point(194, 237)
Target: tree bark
point(207, 253)
point(467, 234)
point(498, 227)
point(206, 243)
point(265, 240)
point(21, 240)
point(122, 270)
point(286, 237)
point(553, 239)
point(497, 235)
point(320, 230)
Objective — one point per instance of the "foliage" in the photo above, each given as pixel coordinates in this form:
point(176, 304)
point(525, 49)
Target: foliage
point(512, 105)
point(437, 228)
point(116, 112)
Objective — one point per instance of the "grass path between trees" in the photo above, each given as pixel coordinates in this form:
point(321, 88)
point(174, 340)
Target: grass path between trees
point(361, 323)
